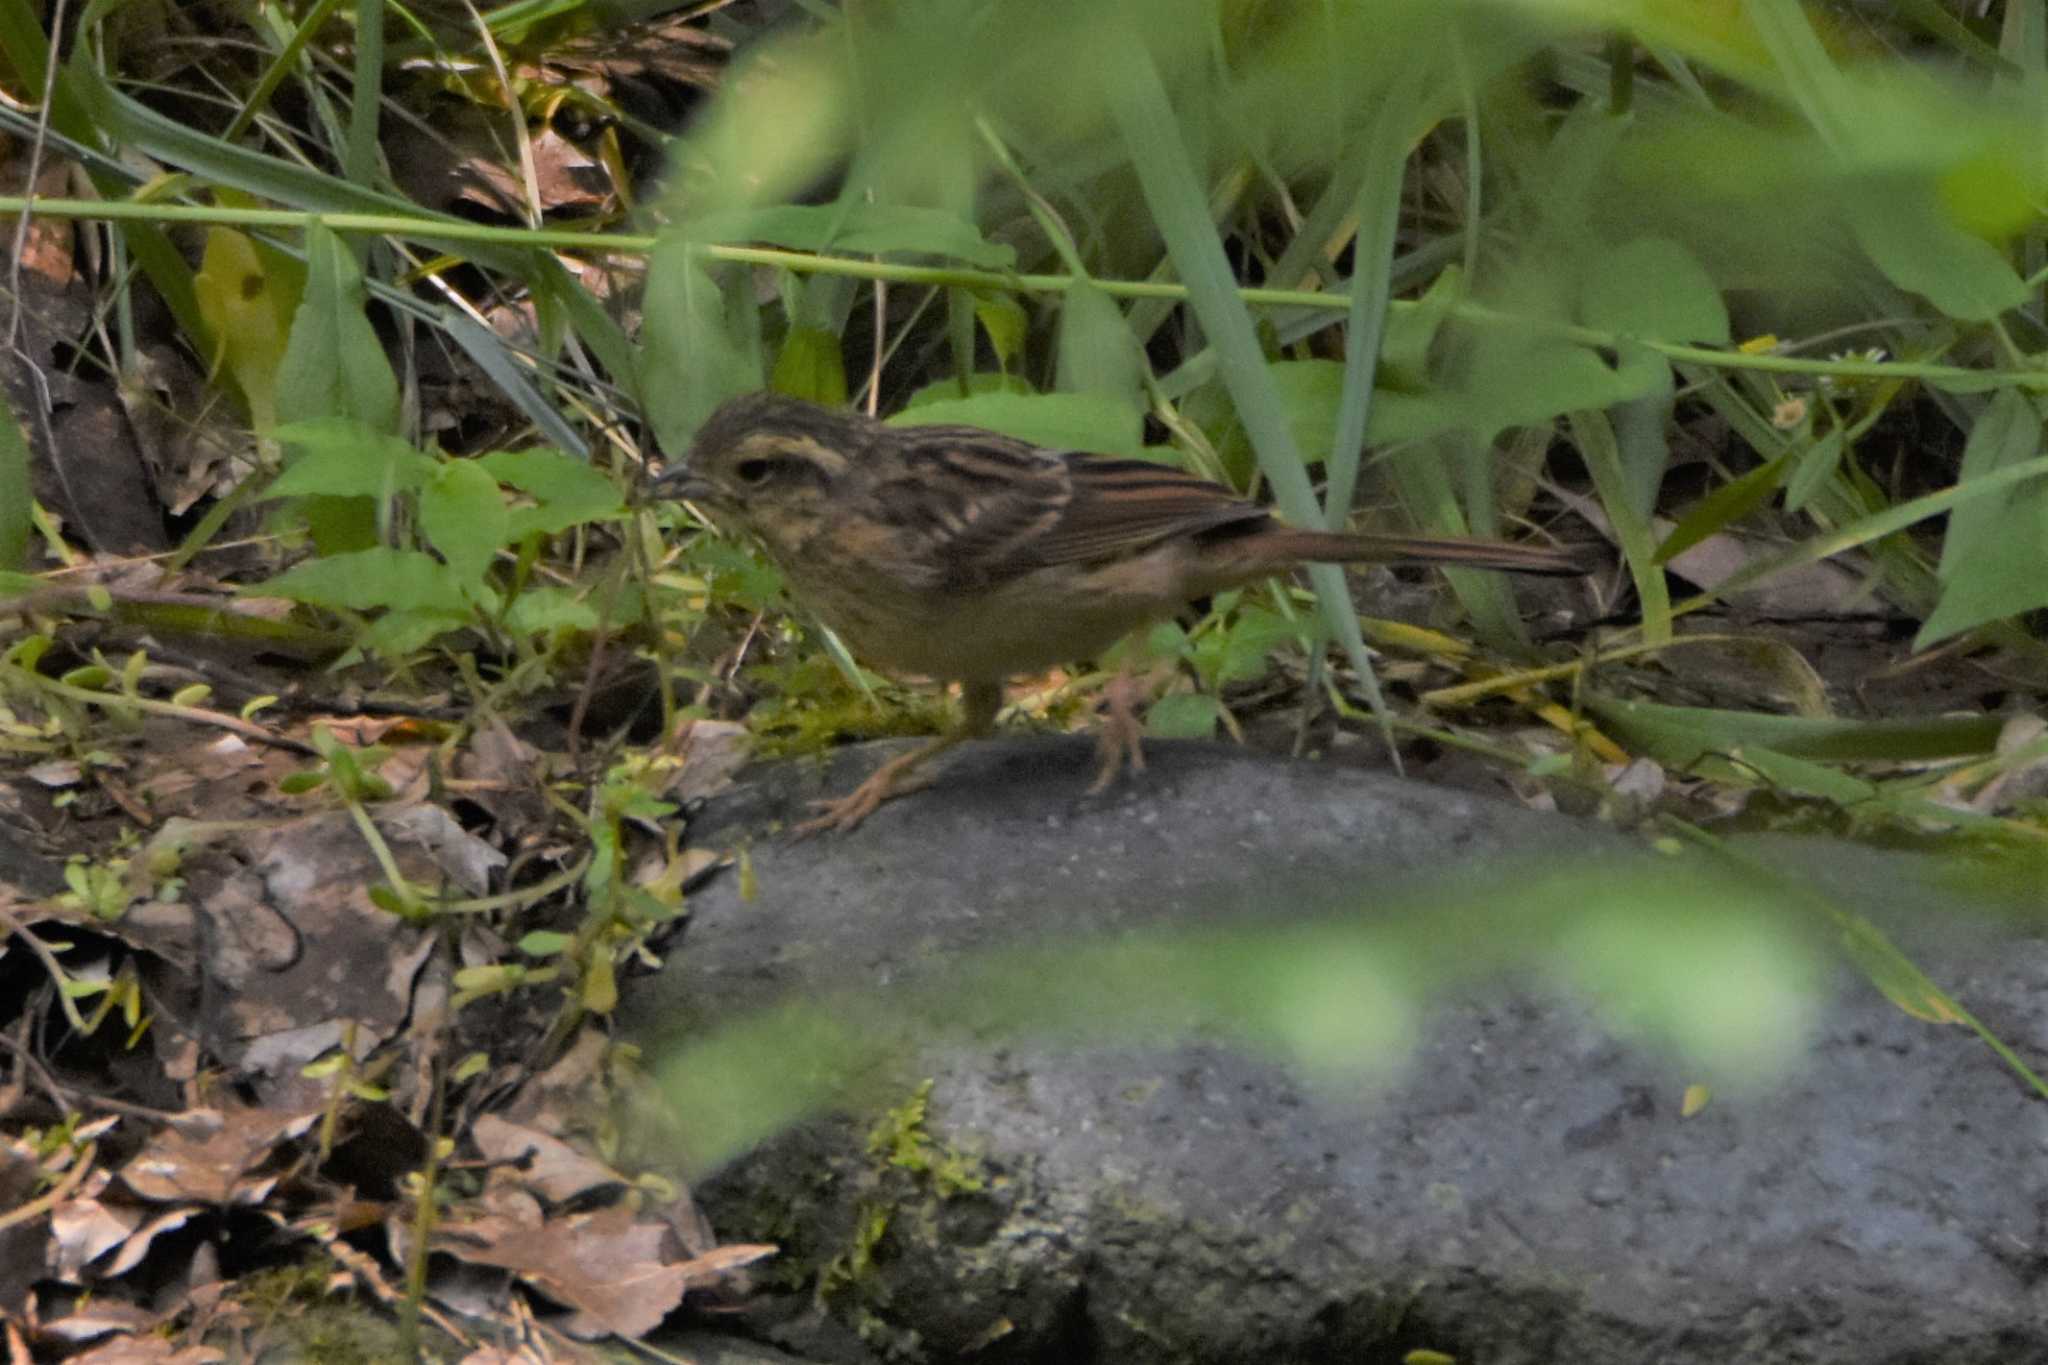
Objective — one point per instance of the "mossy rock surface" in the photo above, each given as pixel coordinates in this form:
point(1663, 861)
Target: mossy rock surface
point(1527, 1191)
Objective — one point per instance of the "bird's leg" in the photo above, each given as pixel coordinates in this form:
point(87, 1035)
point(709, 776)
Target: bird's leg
point(1120, 740)
point(980, 702)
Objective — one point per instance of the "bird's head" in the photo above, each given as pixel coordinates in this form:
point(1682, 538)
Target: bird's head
point(769, 465)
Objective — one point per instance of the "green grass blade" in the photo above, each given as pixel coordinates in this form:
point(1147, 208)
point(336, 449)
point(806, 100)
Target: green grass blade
point(1145, 119)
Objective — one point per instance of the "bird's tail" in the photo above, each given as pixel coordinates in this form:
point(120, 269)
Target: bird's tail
point(1337, 547)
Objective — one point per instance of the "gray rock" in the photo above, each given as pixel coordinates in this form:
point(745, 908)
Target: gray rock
point(1528, 1192)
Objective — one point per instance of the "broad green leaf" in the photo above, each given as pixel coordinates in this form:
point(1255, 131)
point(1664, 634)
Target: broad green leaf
point(16, 502)
point(948, 390)
point(2007, 431)
point(398, 633)
point(1184, 715)
point(1994, 560)
point(1058, 421)
point(334, 364)
point(463, 515)
point(810, 366)
point(692, 358)
point(398, 580)
point(567, 491)
point(1244, 649)
point(1652, 289)
point(856, 227)
point(545, 609)
point(1909, 234)
point(1097, 353)
point(343, 457)
point(1517, 377)
point(1411, 333)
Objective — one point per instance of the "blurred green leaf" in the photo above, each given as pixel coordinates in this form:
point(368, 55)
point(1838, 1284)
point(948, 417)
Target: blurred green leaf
point(1911, 238)
point(463, 515)
point(1681, 951)
point(1057, 421)
point(334, 364)
point(1652, 289)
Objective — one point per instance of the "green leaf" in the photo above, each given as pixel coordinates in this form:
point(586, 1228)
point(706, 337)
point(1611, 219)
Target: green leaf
point(810, 366)
point(1184, 715)
point(948, 390)
point(1058, 421)
point(1097, 353)
point(569, 492)
point(1600, 450)
point(334, 363)
point(1907, 232)
point(1006, 323)
point(1725, 505)
point(1678, 736)
point(401, 580)
point(16, 500)
point(543, 610)
point(1994, 560)
point(544, 942)
point(463, 515)
point(1814, 466)
point(1158, 154)
point(1519, 378)
point(1652, 289)
point(399, 633)
point(1412, 332)
point(343, 457)
point(856, 227)
point(248, 294)
point(692, 357)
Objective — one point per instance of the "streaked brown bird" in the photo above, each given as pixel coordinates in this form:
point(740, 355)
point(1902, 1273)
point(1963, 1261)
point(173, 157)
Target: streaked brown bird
point(967, 556)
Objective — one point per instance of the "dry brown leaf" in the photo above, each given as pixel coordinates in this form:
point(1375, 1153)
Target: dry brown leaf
point(208, 1156)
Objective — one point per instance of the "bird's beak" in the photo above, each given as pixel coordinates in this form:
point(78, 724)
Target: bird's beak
point(679, 484)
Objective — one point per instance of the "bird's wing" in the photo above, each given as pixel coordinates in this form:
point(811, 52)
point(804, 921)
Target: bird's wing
point(992, 508)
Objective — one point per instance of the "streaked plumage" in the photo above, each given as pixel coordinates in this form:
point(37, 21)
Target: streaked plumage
point(964, 555)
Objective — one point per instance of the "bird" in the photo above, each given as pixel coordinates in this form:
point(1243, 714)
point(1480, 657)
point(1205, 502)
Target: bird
point(967, 556)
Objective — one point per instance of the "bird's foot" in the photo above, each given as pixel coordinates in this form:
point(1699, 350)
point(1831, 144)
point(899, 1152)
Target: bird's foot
point(1120, 741)
point(892, 779)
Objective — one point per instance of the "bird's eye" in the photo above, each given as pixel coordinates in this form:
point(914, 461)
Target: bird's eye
point(753, 472)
